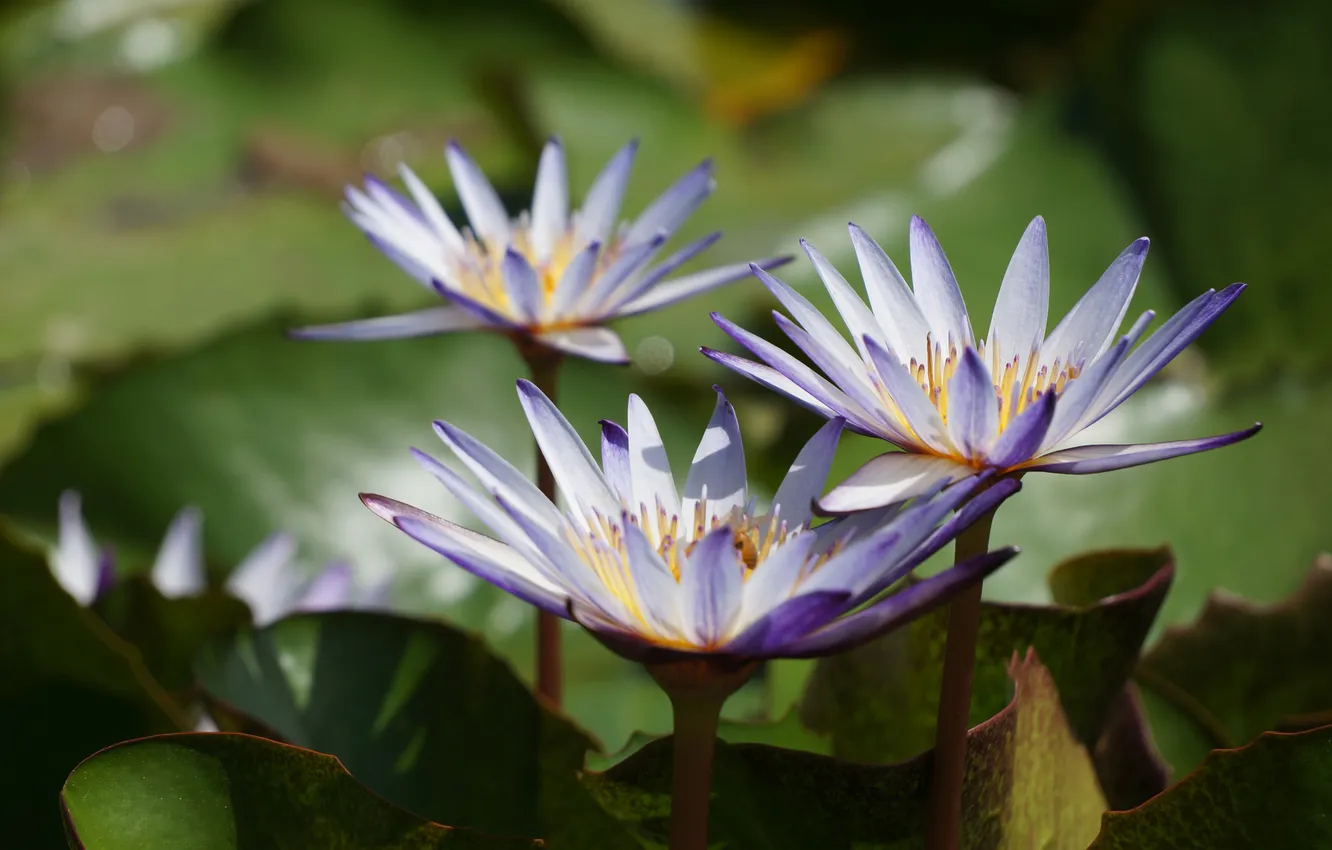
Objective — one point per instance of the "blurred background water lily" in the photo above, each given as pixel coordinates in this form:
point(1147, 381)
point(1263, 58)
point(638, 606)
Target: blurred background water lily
point(549, 275)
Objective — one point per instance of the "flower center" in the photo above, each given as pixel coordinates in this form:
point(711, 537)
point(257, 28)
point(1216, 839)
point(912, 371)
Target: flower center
point(1017, 382)
point(478, 272)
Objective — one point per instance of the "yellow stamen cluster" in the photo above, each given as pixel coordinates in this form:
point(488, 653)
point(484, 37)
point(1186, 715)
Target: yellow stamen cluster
point(1018, 381)
point(478, 272)
point(603, 548)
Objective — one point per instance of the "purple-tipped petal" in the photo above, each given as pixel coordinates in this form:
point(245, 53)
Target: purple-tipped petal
point(1081, 393)
point(1024, 435)
point(484, 209)
point(179, 567)
point(432, 320)
point(857, 317)
point(1083, 460)
point(1022, 309)
point(601, 291)
point(602, 345)
point(573, 283)
point(973, 407)
point(889, 478)
point(1091, 325)
point(651, 277)
point(805, 479)
point(1169, 340)
point(711, 587)
point(615, 460)
point(484, 312)
point(575, 471)
point(787, 624)
point(484, 567)
point(895, 307)
point(596, 218)
point(522, 285)
point(770, 378)
point(673, 206)
point(550, 201)
point(937, 292)
point(680, 288)
point(432, 211)
point(497, 475)
point(717, 472)
point(898, 609)
point(801, 375)
point(921, 416)
point(830, 342)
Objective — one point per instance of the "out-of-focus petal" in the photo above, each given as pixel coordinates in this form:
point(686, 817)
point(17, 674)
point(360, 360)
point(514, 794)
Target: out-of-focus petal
point(484, 209)
point(591, 343)
point(432, 320)
point(1083, 460)
point(179, 567)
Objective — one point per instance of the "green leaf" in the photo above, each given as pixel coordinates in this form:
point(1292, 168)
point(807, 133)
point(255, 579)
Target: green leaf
point(421, 713)
point(1242, 668)
point(1272, 793)
point(1029, 782)
point(68, 687)
point(228, 792)
point(169, 632)
point(879, 702)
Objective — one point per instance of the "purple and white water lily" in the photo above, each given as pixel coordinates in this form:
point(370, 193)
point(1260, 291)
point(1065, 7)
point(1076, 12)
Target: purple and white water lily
point(552, 276)
point(657, 572)
point(916, 375)
point(266, 579)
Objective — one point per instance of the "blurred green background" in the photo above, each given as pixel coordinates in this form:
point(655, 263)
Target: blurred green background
point(169, 203)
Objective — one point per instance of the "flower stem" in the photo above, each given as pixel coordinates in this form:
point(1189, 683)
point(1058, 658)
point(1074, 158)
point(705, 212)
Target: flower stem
point(944, 829)
point(543, 365)
point(696, 717)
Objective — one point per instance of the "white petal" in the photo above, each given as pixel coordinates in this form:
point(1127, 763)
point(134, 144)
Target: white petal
point(717, 472)
point(497, 475)
point(895, 307)
point(596, 218)
point(656, 590)
point(937, 293)
point(433, 212)
point(179, 568)
point(600, 344)
point(432, 320)
point(265, 580)
point(485, 211)
point(815, 324)
point(858, 318)
point(890, 478)
point(805, 479)
point(1018, 324)
point(650, 469)
point(770, 378)
point(550, 201)
point(575, 471)
point(1090, 327)
point(77, 560)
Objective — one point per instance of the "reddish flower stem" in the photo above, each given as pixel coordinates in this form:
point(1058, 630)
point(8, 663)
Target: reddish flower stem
point(944, 828)
point(543, 366)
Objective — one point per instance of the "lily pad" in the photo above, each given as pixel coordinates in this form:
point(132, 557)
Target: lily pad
point(1029, 784)
point(1272, 793)
point(1243, 668)
point(419, 712)
point(68, 687)
point(228, 792)
point(880, 701)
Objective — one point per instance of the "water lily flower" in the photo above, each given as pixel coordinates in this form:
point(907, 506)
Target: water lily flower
point(266, 578)
point(658, 572)
point(916, 375)
point(551, 276)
